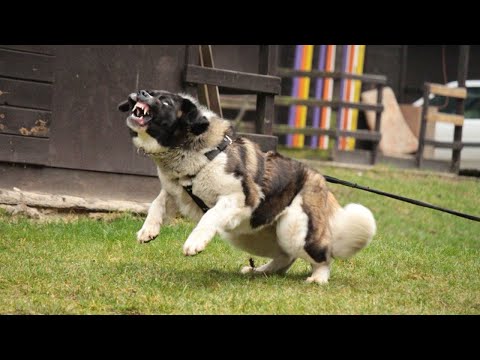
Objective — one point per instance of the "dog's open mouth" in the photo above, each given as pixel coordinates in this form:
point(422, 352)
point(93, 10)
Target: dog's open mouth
point(141, 114)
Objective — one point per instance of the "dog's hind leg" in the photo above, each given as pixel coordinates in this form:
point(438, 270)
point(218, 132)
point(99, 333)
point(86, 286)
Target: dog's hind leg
point(320, 273)
point(278, 265)
point(303, 232)
point(157, 213)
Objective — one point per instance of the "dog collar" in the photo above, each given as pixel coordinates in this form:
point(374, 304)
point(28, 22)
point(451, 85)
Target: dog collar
point(220, 147)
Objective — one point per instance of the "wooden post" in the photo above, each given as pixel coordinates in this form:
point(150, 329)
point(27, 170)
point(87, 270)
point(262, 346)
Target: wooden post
point(378, 117)
point(191, 58)
point(265, 102)
point(209, 94)
point(462, 77)
point(423, 124)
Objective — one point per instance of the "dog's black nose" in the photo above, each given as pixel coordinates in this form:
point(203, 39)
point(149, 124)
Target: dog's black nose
point(143, 95)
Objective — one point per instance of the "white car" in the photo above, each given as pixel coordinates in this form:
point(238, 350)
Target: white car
point(470, 156)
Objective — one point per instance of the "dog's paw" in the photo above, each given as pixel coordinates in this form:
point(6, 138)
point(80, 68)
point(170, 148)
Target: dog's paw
point(148, 233)
point(247, 270)
point(317, 279)
point(193, 247)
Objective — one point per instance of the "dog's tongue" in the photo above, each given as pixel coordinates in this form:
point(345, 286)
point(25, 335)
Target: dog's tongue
point(140, 121)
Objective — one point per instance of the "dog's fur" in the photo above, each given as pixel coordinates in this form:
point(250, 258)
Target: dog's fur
point(263, 203)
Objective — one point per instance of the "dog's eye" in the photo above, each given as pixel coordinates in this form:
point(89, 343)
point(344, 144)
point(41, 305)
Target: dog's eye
point(165, 103)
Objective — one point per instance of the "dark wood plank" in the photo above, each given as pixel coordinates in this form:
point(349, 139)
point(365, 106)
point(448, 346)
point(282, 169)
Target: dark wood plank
point(24, 121)
point(333, 133)
point(38, 49)
point(191, 58)
point(266, 142)
point(238, 102)
point(265, 103)
point(267, 59)
point(471, 144)
point(21, 149)
point(265, 114)
point(423, 126)
point(82, 183)
point(334, 104)
point(233, 79)
point(367, 78)
point(26, 94)
point(378, 119)
point(26, 66)
point(444, 144)
point(463, 58)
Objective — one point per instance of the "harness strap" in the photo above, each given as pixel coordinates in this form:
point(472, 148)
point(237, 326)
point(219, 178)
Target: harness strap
point(220, 147)
point(210, 156)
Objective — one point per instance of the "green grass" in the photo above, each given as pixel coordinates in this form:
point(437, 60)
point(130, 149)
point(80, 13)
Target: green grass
point(421, 262)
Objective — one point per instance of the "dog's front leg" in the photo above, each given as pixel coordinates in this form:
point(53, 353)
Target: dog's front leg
point(156, 213)
point(228, 213)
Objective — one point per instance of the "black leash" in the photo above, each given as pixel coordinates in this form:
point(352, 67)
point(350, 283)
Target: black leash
point(227, 141)
point(401, 198)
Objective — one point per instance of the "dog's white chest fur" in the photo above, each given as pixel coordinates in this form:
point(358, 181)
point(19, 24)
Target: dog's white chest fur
point(147, 143)
point(210, 182)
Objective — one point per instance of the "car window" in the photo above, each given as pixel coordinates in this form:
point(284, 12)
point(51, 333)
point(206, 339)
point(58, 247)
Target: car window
point(472, 104)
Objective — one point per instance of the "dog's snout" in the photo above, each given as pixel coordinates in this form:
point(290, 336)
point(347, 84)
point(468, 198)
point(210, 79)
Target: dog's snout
point(143, 95)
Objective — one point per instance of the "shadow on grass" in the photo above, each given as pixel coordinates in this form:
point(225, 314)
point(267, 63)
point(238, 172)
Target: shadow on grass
point(214, 277)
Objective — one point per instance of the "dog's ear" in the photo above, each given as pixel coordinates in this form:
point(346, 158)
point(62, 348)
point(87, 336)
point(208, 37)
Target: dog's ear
point(124, 106)
point(200, 125)
point(189, 108)
point(128, 105)
point(193, 117)
point(197, 123)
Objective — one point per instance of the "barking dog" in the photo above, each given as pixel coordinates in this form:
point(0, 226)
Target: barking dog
point(263, 203)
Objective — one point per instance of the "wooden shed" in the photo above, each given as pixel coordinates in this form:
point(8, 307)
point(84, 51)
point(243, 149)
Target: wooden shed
point(60, 130)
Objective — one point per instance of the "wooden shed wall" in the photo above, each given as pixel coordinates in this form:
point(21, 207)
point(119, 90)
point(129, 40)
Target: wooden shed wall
point(72, 92)
point(58, 104)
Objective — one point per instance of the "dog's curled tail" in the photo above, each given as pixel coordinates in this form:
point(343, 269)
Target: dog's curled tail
point(353, 227)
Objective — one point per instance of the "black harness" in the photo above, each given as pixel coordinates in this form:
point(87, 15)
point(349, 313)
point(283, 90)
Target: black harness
point(210, 156)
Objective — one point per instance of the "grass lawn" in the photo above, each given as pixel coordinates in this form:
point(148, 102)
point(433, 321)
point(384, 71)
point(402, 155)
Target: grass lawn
point(421, 262)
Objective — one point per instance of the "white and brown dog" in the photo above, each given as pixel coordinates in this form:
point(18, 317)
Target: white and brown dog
point(263, 203)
